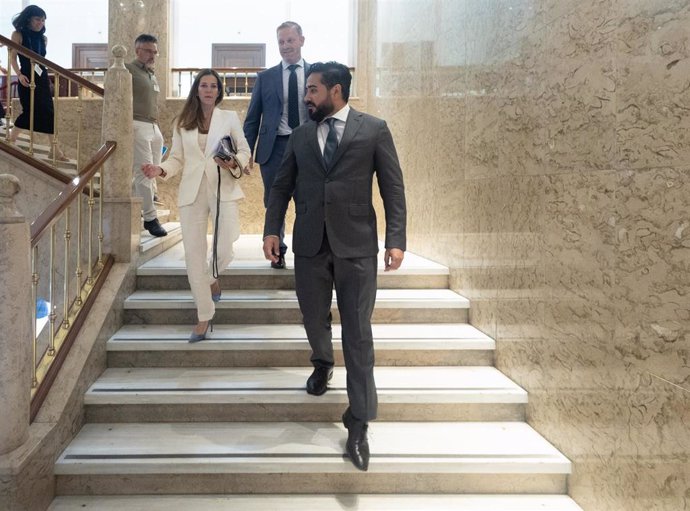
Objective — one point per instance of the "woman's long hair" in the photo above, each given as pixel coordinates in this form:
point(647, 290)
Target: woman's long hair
point(192, 116)
point(21, 20)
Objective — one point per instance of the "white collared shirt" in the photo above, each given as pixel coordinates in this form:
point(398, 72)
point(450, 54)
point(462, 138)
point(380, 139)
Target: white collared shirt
point(341, 118)
point(284, 128)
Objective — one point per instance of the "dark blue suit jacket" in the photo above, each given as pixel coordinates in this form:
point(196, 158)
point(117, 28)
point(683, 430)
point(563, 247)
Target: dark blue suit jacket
point(265, 111)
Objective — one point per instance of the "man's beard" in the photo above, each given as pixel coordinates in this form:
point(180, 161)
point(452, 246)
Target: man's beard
point(322, 111)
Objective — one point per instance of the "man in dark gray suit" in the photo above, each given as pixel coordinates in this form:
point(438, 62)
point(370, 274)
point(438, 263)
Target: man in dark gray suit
point(328, 166)
point(276, 108)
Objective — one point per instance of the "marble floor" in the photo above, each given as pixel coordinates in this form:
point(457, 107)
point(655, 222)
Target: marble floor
point(342, 502)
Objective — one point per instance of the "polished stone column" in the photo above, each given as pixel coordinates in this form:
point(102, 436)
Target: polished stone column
point(15, 335)
point(129, 18)
point(120, 218)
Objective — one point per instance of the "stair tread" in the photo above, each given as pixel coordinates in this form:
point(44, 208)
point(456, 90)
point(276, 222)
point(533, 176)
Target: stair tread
point(365, 502)
point(286, 298)
point(249, 260)
point(148, 241)
point(464, 384)
point(297, 447)
point(290, 336)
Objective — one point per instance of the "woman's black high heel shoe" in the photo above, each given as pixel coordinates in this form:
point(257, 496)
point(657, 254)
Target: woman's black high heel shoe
point(200, 337)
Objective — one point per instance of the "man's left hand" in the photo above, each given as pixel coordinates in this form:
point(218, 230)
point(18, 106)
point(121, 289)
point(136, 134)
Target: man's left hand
point(393, 258)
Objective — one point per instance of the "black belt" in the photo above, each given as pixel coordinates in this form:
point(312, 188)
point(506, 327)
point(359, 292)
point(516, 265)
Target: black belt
point(282, 136)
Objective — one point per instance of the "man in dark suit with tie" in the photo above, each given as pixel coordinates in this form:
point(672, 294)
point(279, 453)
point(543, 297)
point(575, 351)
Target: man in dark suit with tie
point(329, 166)
point(276, 108)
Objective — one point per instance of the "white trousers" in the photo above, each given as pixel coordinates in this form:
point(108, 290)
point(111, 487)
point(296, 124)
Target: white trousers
point(148, 146)
point(198, 255)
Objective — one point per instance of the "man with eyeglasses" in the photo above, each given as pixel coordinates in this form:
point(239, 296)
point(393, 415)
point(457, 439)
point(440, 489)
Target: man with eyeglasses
point(148, 140)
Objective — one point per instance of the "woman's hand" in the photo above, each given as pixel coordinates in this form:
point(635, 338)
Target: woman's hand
point(227, 165)
point(24, 80)
point(150, 170)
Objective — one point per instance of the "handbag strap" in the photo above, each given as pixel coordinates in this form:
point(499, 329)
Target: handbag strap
point(214, 263)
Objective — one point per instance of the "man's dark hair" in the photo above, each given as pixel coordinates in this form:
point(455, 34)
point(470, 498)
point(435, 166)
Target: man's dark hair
point(333, 73)
point(145, 38)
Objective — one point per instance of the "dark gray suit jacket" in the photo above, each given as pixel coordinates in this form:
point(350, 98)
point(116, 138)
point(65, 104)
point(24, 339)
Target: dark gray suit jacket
point(340, 196)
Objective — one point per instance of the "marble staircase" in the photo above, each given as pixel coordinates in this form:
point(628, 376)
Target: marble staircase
point(42, 152)
point(226, 423)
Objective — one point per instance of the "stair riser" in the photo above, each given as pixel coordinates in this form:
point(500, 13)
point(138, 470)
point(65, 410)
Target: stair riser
point(292, 358)
point(287, 281)
point(310, 483)
point(152, 251)
point(292, 316)
point(330, 412)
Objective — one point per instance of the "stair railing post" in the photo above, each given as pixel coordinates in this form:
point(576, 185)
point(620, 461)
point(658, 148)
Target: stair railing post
point(120, 219)
point(15, 316)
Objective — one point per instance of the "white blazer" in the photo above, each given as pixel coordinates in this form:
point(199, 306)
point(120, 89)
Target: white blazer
point(186, 156)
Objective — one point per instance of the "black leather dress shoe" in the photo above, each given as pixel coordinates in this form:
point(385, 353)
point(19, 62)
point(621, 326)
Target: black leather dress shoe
point(357, 445)
point(279, 264)
point(155, 228)
point(317, 383)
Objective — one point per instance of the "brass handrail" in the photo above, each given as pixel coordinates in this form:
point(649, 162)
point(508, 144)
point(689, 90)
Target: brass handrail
point(70, 192)
point(78, 291)
point(51, 65)
point(60, 77)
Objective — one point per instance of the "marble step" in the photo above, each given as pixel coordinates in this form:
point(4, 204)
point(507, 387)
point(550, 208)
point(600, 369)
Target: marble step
point(317, 503)
point(278, 394)
point(163, 216)
point(286, 345)
point(280, 306)
point(151, 246)
point(249, 270)
point(299, 457)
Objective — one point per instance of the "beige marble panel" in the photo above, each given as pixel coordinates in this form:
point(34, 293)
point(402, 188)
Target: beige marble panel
point(484, 96)
point(630, 483)
point(579, 96)
point(522, 130)
point(514, 20)
point(653, 28)
point(554, 9)
point(579, 223)
point(519, 318)
point(579, 271)
point(643, 422)
point(652, 122)
point(629, 452)
point(653, 272)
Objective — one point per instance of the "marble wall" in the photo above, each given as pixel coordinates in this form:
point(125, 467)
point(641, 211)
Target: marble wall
point(546, 150)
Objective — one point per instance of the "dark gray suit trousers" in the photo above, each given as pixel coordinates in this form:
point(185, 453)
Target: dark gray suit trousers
point(355, 286)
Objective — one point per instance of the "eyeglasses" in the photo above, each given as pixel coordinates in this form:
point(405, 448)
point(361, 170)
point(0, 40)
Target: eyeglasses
point(152, 52)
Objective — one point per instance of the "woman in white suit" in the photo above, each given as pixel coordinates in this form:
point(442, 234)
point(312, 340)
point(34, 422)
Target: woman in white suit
point(198, 131)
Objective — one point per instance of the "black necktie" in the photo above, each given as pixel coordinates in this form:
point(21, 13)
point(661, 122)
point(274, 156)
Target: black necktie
point(331, 141)
point(293, 105)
